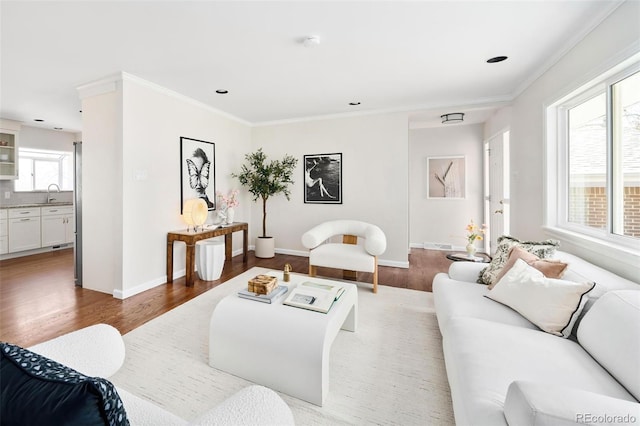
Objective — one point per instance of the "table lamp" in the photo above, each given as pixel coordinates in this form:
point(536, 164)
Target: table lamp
point(195, 213)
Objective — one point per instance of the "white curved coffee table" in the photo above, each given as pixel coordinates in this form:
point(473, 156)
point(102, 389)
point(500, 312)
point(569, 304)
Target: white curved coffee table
point(279, 346)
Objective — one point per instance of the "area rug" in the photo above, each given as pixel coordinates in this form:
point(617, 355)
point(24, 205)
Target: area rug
point(391, 371)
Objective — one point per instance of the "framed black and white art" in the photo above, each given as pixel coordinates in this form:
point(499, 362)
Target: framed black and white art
point(323, 178)
point(446, 177)
point(198, 171)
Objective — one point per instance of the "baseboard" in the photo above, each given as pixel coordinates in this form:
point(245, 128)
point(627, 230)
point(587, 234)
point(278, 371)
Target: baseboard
point(437, 246)
point(36, 251)
point(120, 294)
point(123, 294)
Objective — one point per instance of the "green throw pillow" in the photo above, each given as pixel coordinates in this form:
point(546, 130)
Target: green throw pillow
point(542, 249)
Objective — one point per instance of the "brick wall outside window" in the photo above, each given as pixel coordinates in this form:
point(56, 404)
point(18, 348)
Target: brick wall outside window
point(588, 206)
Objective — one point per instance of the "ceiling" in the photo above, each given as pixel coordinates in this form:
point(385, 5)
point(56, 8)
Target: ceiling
point(423, 57)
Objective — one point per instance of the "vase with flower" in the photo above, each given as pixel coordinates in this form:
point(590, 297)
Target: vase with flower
point(229, 202)
point(474, 233)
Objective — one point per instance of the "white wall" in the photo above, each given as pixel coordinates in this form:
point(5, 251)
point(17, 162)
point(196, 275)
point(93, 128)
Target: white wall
point(499, 121)
point(55, 140)
point(613, 40)
point(375, 179)
point(443, 221)
point(102, 205)
point(153, 120)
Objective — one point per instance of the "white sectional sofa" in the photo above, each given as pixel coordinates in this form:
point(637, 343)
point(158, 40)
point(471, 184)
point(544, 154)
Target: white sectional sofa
point(502, 369)
point(99, 351)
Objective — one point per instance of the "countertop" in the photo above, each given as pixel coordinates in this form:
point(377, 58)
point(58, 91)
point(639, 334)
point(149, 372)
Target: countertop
point(25, 206)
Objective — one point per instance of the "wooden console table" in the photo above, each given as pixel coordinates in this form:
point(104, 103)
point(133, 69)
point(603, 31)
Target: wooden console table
point(191, 237)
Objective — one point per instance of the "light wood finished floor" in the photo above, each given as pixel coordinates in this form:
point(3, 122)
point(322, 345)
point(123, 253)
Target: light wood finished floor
point(38, 300)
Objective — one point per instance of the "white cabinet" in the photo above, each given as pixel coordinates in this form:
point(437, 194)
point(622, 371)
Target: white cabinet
point(24, 229)
point(4, 232)
point(8, 153)
point(57, 225)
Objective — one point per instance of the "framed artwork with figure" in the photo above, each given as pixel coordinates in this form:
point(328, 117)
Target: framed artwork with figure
point(323, 178)
point(446, 177)
point(198, 171)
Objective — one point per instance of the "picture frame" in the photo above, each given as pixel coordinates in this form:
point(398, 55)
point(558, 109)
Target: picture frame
point(323, 178)
point(197, 171)
point(446, 177)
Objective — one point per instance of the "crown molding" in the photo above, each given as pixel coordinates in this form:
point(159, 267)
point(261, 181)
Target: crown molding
point(112, 82)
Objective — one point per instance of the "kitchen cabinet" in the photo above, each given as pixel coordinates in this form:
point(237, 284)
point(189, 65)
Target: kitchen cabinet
point(57, 225)
point(4, 232)
point(8, 154)
point(24, 229)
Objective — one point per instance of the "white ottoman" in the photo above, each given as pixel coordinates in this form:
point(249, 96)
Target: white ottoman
point(209, 259)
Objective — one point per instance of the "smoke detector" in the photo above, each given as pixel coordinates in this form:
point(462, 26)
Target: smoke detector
point(311, 41)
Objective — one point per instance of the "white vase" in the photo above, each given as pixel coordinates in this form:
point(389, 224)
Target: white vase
point(230, 214)
point(471, 250)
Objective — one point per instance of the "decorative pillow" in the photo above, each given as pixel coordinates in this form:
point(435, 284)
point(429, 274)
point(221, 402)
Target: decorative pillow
point(542, 249)
point(549, 267)
point(36, 390)
point(551, 304)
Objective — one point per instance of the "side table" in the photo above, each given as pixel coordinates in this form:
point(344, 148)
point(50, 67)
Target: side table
point(464, 257)
point(191, 237)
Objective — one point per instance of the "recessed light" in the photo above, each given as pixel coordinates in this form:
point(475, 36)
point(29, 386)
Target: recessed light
point(311, 41)
point(222, 92)
point(354, 103)
point(496, 59)
point(38, 119)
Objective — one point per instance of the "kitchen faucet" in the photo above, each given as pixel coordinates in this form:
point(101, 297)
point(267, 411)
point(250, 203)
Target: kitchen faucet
point(49, 198)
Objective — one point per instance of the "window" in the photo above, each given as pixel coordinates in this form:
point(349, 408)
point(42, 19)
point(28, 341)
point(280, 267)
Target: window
point(598, 159)
point(39, 168)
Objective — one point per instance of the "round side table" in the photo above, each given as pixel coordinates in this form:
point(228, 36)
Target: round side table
point(464, 257)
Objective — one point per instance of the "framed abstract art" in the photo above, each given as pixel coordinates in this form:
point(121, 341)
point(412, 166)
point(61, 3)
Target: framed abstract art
point(446, 177)
point(198, 171)
point(323, 178)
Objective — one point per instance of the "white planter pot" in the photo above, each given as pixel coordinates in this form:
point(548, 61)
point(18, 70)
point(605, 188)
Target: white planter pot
point(265, 247)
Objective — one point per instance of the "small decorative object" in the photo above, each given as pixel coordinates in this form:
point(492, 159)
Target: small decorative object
point(474, 233)
point(262, 284)
point(323, 178)
point(197, 164)
point(287, 272)
point(195, 213)
point(265, 179)
point(446, 177)
point(229, 203)
point(471, 250)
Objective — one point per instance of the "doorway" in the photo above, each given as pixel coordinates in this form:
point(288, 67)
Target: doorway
point(496, 189)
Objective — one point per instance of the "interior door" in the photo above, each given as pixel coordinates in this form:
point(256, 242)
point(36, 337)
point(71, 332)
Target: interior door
point(496, 189)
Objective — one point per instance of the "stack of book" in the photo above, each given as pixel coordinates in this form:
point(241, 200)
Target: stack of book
point(265, 298)
point(263, 288)
point(314, 296)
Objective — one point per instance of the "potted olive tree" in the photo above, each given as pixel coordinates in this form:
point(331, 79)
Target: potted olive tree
point(265, 179)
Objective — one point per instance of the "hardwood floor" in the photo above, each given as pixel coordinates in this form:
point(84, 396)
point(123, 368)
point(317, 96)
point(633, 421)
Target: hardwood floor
point(38, 300)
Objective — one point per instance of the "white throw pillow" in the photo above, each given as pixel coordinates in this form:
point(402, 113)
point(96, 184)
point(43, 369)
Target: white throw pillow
point(551, 304)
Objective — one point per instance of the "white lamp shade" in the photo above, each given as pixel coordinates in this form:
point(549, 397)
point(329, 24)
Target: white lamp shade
point(195, 212)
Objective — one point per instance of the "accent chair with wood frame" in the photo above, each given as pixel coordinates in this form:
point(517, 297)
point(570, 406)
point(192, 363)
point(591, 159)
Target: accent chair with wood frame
point(350, 255)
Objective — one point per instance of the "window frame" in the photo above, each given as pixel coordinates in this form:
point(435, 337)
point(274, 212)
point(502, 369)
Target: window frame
point(32, 154)
point(557, 155)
